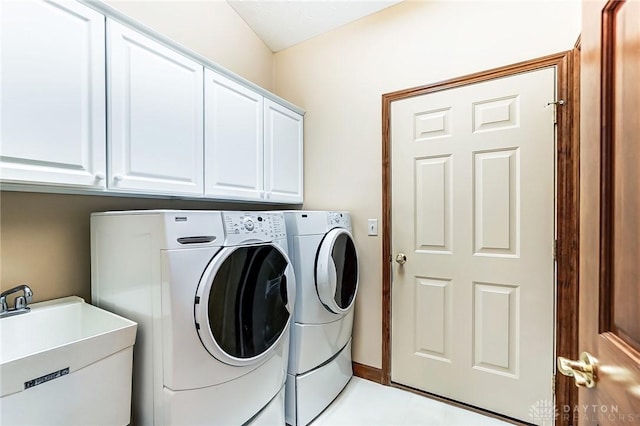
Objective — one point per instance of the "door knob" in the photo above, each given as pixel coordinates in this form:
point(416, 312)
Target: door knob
point(401, 258)
point(583, 371)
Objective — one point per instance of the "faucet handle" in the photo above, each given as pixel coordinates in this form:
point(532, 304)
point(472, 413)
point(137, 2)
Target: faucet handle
point(3, 304)
point(21, 302)
point(28, 294)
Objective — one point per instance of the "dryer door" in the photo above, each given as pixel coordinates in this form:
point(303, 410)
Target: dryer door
point(337, 271)
point(243, 303)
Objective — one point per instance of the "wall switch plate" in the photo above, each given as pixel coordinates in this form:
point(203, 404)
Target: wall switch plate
point(372, 227)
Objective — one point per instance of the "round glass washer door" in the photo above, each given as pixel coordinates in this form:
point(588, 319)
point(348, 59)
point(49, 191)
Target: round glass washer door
point(336, 271)
point(243, 303)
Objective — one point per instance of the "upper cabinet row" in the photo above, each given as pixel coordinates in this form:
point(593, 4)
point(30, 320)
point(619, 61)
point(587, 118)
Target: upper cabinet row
point(110, 109)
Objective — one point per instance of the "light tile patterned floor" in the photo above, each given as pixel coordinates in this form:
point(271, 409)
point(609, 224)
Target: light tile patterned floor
point(365, 403)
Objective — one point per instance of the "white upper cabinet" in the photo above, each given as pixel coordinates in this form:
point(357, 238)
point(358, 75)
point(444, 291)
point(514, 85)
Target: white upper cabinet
point(253, 146)
point(89, 104)
point(52, 94)
point(233, 139)
point(283, 156)
point(156, 116)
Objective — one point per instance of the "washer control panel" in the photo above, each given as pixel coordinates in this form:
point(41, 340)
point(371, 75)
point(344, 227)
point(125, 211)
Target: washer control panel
point(339, 219)
point(264, 226)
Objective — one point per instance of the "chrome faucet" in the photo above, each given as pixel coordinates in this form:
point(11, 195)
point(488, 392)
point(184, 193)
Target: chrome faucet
point(20, 303)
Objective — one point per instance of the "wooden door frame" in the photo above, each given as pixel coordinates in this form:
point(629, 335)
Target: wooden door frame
point(567, 207)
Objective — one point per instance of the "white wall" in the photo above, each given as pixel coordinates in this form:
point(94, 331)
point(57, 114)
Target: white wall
point(339, 78)
point(210, 28)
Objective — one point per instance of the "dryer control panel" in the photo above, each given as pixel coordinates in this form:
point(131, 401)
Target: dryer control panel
point(263, 226)
point(339, 220)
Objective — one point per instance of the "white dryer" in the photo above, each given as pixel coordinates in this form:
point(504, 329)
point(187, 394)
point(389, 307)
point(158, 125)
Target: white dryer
point(212, 293)
point(325, 261)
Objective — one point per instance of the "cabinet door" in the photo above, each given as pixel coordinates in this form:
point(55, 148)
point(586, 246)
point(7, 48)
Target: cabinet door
point(156, 116)
point(233, 140)
point(53, 94)
point(283, 136)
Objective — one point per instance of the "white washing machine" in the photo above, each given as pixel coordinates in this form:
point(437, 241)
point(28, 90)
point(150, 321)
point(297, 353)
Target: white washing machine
point(212, 293)
point(325, 261)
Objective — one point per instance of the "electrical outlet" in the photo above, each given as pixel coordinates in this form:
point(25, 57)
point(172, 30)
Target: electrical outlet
point(372, 227)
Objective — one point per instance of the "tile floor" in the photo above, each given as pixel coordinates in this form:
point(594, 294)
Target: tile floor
point(365, 403)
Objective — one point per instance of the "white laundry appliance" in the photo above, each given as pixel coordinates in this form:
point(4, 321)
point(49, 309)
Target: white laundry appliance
point(212, 293)
point(325, 261)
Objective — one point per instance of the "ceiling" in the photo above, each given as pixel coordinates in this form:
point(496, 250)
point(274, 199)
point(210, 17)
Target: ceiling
point(284, 23)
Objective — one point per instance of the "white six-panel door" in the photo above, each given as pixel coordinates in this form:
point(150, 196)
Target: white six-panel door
point(53, 94)
point(473, 210)
point(156, 116)
point(233, 139)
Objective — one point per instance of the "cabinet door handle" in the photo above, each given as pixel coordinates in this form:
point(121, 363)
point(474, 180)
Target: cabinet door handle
point(118, 178)
point(99, 176)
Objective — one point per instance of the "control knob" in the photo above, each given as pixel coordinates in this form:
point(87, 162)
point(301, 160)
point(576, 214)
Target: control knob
point(249, 225)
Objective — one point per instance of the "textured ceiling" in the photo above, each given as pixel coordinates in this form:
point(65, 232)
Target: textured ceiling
point(284, 23)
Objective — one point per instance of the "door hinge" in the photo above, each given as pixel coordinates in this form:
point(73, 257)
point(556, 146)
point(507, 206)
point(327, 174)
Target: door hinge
point(555, 249)
point(553, 384)
point(555, 109)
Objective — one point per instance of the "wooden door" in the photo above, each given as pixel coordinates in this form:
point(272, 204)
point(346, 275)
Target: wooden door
point(156, 136)
point(233, 139)
point(53, 127)
point(283, 145)
point(473, 212)
point(610, 212)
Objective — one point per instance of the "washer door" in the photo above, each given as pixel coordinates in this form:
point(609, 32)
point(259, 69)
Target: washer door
point(337, 271)
point(243, 303)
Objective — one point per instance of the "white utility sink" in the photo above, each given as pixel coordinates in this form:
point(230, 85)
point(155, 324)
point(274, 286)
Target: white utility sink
point(65, 362)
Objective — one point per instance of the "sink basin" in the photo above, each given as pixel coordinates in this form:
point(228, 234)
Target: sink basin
point(60, 361)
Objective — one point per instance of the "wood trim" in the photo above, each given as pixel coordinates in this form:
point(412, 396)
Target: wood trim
point(568, 203)
point(367, 372)
point(568, 222)
point(386, 240)
point(546, 61)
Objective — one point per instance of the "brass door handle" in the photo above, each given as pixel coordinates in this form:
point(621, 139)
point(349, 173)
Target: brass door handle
point(583, 371)
point(401, 258)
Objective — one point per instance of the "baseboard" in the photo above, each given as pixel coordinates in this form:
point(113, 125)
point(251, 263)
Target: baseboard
point(367, 372)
